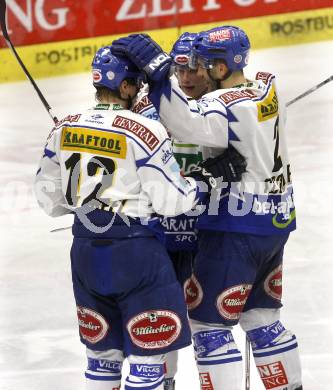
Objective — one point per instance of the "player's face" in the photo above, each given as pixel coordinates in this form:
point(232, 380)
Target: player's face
point(129, 90)
point(212, 73)
point(192, 82)
point(202, 69)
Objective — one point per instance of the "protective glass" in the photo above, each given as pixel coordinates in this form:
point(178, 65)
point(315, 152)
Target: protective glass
point(196, 61)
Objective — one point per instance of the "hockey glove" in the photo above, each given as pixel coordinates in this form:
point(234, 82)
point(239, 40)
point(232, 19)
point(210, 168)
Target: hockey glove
point(145, 53)
point(228, 166)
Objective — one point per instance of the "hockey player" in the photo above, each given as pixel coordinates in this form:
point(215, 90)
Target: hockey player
point(238, 269)
point(180, 233)
point(194, 85)
point(114, 169)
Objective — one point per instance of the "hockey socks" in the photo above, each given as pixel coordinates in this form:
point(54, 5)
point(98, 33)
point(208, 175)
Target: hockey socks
point(218, 360)
point(104, 369)
point(275, 352)
point(146, 373)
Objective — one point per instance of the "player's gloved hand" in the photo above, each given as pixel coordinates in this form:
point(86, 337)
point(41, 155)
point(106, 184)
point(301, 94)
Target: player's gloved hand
point(228, 166)
point(145, 53)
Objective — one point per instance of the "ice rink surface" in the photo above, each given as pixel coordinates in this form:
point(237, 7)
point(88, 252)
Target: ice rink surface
point(39, 344)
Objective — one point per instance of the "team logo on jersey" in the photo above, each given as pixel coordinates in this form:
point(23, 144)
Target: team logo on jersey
point(205, 381)
point(94, 141)
point(269, 107)
point(264, 76)
point(68, 118)
point(232, 96)
point(193, 293)
point(166, 154)
point(273, 375)
point(97, 116)
point(142, 104)
point(273, 283)
point(93, 326)
point(138, 129)
point(154, 329)
point(230, 302)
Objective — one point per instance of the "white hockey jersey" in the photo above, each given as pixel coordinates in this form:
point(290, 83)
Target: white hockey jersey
point(178, 233)
point(112, 159)
point(187, 154)
point(250, 118)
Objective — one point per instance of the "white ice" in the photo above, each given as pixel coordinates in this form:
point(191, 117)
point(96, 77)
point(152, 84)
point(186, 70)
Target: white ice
point(39, 344)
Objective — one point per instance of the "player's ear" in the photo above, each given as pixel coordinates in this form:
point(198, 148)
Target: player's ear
point(222, 68)
point(123, 88)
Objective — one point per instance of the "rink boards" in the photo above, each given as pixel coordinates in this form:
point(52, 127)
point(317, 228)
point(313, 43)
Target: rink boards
point(74, 55)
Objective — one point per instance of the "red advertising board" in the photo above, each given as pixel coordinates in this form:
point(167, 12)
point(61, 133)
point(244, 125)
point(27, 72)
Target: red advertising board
point(39, 21)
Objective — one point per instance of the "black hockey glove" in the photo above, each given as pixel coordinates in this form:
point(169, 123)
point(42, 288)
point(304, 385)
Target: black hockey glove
point(228, 167)
point(145, 53)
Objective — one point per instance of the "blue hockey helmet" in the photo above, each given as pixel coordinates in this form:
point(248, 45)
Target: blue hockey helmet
point(228, 43)
point(181, 49)
point(109, 71)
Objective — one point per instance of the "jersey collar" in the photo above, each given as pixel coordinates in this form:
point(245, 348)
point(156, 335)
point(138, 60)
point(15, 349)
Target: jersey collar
point(107, 106)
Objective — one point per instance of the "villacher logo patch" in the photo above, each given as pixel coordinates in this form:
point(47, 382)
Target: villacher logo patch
point(154, 329)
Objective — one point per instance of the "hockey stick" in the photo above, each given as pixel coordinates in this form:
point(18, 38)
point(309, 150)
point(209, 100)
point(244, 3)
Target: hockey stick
point(306, 93)
point(247, 363)
point(25, 70)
